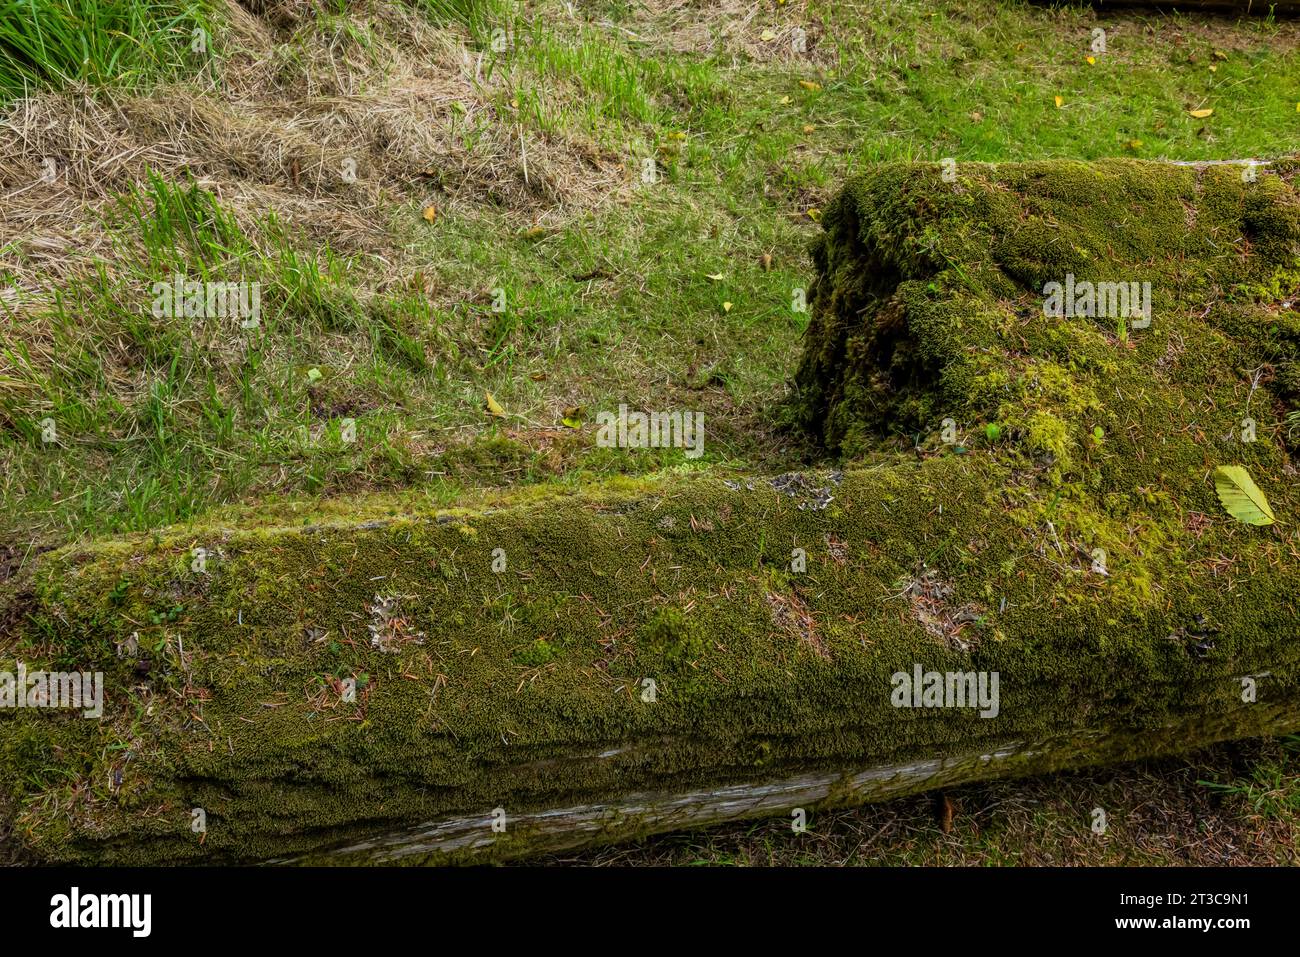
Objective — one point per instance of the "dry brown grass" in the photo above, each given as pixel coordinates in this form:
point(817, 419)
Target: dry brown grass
point(761, 33)
point(277, 136)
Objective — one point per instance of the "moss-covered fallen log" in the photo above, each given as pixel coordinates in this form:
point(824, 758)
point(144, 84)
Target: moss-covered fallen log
point(1026, 500)
point(786, 793)
point(1257, 8)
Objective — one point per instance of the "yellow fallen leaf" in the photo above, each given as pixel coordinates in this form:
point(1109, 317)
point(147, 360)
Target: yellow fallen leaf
point(430, 213)
point(493, 407)
point(534, 232)
point(1059, 101)
point(1213, 68)
point(515, 103)
point(573, 416)
point(810, 84)
point(1199, 114)
point(716, 276)
point(809, 128)
point(1091, 60)
point(785, 99)
point(726, 307)
point(1134, 144)
point(1241, 497)
point(767, 36)
point(1220, 55)
point(815, 214)
point(677, 135)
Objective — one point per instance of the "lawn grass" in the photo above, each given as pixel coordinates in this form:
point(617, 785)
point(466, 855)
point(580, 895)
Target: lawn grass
point(669, 279)
point(677, 293)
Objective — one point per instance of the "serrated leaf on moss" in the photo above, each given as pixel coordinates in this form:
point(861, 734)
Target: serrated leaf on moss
point(1241, 497)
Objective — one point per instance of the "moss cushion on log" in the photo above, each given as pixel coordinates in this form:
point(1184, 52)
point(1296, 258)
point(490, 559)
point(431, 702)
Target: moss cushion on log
point(1258, 8)
point(1024, 499)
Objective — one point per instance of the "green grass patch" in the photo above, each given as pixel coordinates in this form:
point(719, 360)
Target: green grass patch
point(53, 43)
point(678, 293)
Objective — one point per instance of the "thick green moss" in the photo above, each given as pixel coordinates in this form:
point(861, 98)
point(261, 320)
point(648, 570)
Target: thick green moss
point(929, 302)
point(239, 711)
point(480, 685)
point(929, 311)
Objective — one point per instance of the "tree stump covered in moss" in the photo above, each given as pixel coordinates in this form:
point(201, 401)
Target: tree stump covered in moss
point(1022, 566)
